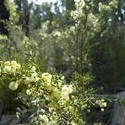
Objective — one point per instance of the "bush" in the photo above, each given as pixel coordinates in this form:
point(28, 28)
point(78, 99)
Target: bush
point(45, 98)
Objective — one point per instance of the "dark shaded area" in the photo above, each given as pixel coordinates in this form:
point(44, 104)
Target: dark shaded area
point(4, 15)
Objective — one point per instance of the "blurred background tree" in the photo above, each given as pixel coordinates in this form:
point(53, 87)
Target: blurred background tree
point(4, 15)
point(67, 36)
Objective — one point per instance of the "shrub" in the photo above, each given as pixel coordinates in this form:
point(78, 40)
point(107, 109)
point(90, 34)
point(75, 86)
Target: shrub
point(45, 98)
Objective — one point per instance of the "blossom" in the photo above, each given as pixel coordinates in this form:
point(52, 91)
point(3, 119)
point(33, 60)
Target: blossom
point(7, 68)
point(11, 67)
point(28, 92)
point(57, 33)
point(7, 63)
point(15, 65)
point(33, 69)
point(34, 77)
point(52, 123)
point(73, 123)
point(13, 85)
point(44, 118)
point(47, 77)
point(66, 90)
point(28, 79)
point(103, 7)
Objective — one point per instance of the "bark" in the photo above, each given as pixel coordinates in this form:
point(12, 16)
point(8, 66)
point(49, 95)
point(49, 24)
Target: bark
point(4, 15)
point(26, 17)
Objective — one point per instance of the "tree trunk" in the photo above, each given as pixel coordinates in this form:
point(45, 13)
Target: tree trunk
point(4, 15)
point(26, 17)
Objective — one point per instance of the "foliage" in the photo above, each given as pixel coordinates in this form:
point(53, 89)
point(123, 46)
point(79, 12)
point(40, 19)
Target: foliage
point(88, 37)
point(78, 38)
point(12, 11)
point(47, 98)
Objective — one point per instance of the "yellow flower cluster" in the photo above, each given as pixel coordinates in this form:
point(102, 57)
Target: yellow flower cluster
point(102, 104)
point(44, 118)
point(34, 76)
point(47, 78)
point(13, 85)
point(11, 67)
point(66, 90)
point(73, 123)
point(109, 7)
point(103, 7)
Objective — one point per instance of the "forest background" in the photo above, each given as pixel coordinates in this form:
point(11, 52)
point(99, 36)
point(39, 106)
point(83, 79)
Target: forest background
point(83, 36)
